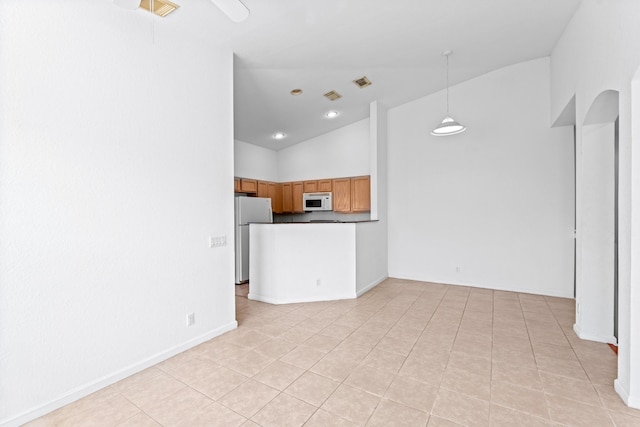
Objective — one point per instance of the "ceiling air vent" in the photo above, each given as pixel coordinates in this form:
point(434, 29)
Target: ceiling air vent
point(333, 95)
point(362, 82)
point(160, 7)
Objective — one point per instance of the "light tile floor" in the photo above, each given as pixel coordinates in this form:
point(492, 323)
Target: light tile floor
point(405, 354)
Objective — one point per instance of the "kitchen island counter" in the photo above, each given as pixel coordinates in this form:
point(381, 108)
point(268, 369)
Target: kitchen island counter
point(306, 261)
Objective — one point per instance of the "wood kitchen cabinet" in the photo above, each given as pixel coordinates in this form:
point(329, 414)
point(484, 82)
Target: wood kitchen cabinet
point(263, 189)
point(341, 195)
point(275, 193)
point(349, 194)
point(317, 186)
point(311, 186)
point(324, 186)
point(361, 194)
point(297, 188)
point(287, 205)
point(352, 194)
point(248, 185)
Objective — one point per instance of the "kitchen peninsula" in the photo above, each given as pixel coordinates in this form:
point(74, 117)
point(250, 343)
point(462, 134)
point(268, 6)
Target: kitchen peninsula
point(305, 262)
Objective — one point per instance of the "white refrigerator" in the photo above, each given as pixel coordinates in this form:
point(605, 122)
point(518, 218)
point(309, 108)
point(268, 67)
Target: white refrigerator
point(247, 210)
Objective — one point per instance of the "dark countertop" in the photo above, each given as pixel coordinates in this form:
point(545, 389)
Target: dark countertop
point(323, 221)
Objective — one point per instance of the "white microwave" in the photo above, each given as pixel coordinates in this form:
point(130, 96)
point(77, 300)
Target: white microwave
point(316, 202)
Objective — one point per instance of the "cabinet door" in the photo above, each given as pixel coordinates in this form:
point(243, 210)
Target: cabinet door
point(324, 185)
point(360, 194)
point(341, 195)
point(287, 206)
point(248, 185)
point(263, 189)
point(297, 189)
point(275, 193)
point(236, 185)
point(311, 186)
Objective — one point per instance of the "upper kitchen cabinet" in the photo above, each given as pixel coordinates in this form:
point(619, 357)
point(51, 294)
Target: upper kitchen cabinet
point(341, 195)
point(263, 189)
point(310, 186)
point(361, 194)
point(324, 186)
point(275, 193)
point(352, 194)
point(287, 198)
point(248, 186)
point(297, 189)
point(317, 186)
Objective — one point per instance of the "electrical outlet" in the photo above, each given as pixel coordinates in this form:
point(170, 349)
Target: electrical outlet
point(217, 241)
point(191, 319)
point(318, 282)
point(457, 269)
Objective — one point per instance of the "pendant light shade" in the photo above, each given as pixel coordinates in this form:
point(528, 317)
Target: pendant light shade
point(448, 125)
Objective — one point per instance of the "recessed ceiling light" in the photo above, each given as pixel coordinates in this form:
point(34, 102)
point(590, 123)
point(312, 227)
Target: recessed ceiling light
point(296, 92)
point(279, 135)
point(332, 114)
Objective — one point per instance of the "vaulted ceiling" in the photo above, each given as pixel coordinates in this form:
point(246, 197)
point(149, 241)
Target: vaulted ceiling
point(323, 45)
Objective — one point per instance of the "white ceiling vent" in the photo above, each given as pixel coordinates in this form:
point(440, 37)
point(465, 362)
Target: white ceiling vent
point(362, 82)
point(333, 95)
point(160, 7)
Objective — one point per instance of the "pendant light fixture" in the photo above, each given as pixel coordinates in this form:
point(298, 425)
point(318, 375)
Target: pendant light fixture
point(448, 125)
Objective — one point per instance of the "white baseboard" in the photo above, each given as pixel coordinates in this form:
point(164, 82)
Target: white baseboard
point(494, 287)
point(607, 339)
point(630, 401)
point(295, 300)
point(107, 380)
point(269, 300)
point(371, 285)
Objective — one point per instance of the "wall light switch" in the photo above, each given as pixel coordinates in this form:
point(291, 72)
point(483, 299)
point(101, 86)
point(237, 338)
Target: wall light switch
point(217, 241)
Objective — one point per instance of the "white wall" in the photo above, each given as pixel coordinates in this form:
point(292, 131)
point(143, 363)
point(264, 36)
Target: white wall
point(292, 263)
point(372, 241)
point(496, 202)
point(252, 161)
point(343, 152)
point(598, 51)
point(595, 242)
point(111, 181)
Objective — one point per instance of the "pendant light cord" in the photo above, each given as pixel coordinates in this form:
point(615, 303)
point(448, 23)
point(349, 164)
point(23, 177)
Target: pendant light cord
point(447, 84)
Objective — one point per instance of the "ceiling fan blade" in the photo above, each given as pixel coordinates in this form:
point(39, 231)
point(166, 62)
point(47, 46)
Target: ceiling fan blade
point(234, 9)
point(127, 4)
